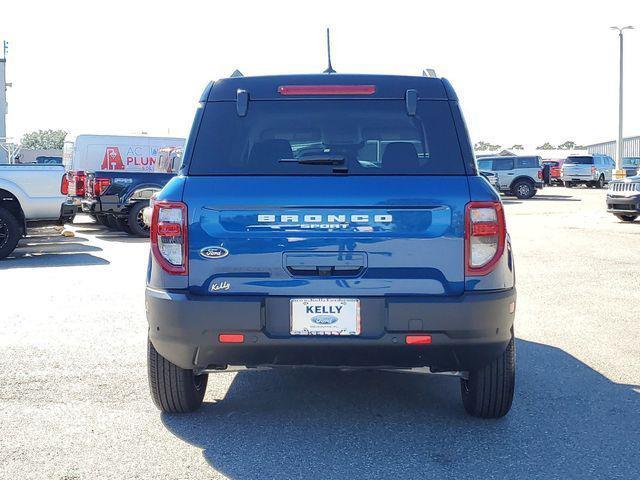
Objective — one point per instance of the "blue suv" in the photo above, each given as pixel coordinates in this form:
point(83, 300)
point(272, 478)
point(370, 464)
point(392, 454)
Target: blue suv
point(336, 221)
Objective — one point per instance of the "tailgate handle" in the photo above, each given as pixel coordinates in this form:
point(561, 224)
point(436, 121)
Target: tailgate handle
point(349, 264)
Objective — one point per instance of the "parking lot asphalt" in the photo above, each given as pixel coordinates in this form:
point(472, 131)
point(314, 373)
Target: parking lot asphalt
point(74, 400)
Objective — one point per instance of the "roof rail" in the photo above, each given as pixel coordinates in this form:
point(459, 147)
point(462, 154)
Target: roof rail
point(429, 72)
point(236, 73)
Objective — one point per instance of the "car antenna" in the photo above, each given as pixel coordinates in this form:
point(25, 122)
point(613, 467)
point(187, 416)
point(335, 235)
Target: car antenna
point(329, 67)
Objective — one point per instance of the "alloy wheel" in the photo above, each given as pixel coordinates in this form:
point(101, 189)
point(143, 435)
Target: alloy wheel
point(4, 233)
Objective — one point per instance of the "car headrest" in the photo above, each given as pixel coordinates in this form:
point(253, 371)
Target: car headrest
point(400, 155)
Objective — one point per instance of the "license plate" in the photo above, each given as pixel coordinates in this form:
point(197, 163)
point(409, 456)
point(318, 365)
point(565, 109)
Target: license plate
point(325, 316)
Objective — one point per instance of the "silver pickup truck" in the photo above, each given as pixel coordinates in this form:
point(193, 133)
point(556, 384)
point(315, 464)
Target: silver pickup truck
point(30, 194)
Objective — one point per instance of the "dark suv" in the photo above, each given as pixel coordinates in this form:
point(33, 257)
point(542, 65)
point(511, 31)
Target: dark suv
point(334, 221)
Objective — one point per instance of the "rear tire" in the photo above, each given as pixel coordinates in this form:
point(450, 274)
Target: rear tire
point(488, 392)
point(627, 218)
point(523, 189)
point(173, 389)
point(600, 182)
point(568, 184)
point(135, 222)
point(10, 232)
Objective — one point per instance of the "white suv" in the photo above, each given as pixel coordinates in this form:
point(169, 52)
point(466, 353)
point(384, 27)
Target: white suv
point(592, 170)
point(519, 176)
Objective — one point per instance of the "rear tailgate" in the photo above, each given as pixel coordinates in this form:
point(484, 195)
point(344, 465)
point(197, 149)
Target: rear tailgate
point(327, 236)
point(578, 167)
point(577, 171)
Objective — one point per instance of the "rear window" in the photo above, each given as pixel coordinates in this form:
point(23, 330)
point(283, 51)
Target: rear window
point(579, 161)
point(485, 165)
point(300, 137)
point(503, 164)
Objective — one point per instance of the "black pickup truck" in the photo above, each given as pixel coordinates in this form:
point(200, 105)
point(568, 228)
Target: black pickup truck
point(117, 198)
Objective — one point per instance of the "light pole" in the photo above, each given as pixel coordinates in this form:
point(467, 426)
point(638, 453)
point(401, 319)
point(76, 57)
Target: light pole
point(619, 172)
point(3, 103)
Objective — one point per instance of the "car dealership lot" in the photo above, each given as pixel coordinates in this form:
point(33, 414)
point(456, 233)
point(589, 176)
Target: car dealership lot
point(74, 400)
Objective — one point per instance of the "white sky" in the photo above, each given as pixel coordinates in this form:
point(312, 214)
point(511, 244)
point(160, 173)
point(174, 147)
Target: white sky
point(525, 73)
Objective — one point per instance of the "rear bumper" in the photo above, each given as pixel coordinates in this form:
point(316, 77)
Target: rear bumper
point(623, 205)
point(579, 178)
point(68, 210)
point(467, 331)
point(106, 204)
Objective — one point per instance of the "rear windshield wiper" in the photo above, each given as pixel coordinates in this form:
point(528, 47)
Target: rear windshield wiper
point(316, 160)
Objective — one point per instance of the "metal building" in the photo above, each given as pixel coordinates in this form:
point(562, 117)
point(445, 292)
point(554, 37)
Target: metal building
point(631, 147)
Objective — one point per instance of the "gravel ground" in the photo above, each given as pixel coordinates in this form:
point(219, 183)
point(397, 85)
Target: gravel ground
point(74, 401)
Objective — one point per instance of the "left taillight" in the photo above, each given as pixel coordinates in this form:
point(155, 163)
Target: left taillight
point(64, 185)
point(485, 234)
point(99, 185)
point(169, 236)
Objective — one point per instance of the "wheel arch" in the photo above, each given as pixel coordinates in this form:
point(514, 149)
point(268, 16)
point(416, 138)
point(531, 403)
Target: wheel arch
point(142, 192)
point(526, 178)
point(11, 202)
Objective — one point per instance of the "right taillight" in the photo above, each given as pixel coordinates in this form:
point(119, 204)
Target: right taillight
point(169, 236)
point(64, 185)
point(77, 183)
point(485, 234)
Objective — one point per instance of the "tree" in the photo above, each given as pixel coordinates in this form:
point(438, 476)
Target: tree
point(517, 146)
point(571, 145)
point(44, 139)
point(484, 146)
point(568, 145)
point(546, 146)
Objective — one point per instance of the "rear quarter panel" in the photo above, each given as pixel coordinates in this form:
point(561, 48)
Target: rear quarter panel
point(37, 188)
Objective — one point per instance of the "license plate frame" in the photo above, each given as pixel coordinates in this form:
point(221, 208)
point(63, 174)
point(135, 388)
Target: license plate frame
point(322, 317)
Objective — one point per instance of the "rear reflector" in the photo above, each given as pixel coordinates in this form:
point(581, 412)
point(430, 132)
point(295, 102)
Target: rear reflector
point(418, 339)
point(484, 229)
point(231, 338)
point(327, 89)
point(167, 229)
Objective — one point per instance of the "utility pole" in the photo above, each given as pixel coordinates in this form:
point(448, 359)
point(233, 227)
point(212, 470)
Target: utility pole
point(619, 172)
point(3, 101)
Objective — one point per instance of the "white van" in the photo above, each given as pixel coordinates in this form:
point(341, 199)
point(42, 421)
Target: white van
point(94, 153)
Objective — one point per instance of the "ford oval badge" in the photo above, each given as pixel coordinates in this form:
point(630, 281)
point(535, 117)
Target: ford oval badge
point(324, 319)
point(214, 252)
